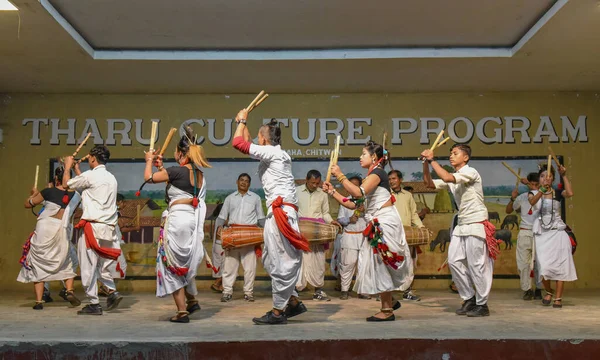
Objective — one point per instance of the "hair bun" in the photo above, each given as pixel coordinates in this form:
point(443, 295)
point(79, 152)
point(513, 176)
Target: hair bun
point(189, 133)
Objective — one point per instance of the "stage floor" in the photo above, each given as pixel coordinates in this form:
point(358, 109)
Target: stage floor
point(142, 318)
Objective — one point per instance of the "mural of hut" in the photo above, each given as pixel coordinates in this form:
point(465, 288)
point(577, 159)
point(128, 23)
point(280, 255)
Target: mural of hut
point(424, 196)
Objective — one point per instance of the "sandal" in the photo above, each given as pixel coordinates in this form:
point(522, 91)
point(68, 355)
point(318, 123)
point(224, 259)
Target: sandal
point(71, 298)
point(181, 317)
point(546, 302)
point(39, 305)
point(192, 306)
point(559, 305)
point(386, 311)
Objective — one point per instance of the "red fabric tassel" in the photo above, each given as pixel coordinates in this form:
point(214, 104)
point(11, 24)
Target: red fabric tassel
point(195, 202)
point(258, 251)
point(531, 274)
point(65, 199)
point(121, 272)
point(530, 212)
point(393, 198)
point(492, 242)
point(138, 193)
point(92, 243)
point(295, 238)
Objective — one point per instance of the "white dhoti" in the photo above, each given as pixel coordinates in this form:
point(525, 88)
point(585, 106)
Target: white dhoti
point(247, 257)
point(553, 255)
point(218, 258)
point(350, 248)
point(51, 255)
point(524, 254)
point(471, 267)
point(281, 260)
point(334, 264)
point(181, 248)
point(94, 267)
point(374, 276)
point(312, 270)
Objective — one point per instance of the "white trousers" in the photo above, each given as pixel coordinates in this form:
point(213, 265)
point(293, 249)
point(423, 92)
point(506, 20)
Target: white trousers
point(94, 268)
point(233, 257)
point(281, 260)
point(313, 268)
point(348, 264)
point(218, 258)
point(472, 268)
point(524, 254)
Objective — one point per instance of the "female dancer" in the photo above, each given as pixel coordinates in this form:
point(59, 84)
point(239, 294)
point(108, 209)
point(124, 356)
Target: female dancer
point(47, 254)
point(553, 248)
point(180, 249)
point(384, 260)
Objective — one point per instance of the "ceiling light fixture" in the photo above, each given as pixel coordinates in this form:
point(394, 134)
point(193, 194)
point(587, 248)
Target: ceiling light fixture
point(6, 5)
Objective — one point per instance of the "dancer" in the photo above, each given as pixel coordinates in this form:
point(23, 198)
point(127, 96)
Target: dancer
point(553, 248)
point(242, 207)
point(99, 241)
point(283, 243)
point(525, 238)
point(473, 247)
point(180, 249)
point(350, 243)
point(407, 209)
point(384, 261)
point(48, 254)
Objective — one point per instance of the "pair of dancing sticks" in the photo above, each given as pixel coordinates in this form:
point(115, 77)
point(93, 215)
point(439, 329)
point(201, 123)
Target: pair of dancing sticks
point(257, 101)
point(333, 159)
point(80, 146)
point(437, 143)
point(153, 136)
point(550, 157)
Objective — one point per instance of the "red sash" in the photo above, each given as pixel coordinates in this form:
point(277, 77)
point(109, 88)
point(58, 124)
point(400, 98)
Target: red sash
point(490, 239)
point(92, 243)
point(294, 237)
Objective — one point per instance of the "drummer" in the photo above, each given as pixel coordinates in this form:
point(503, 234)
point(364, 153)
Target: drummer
point(242, 207)
point(313, 203)
point(407, 209)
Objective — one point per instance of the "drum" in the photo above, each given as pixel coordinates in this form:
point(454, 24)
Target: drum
point(237, 236)
point(316, 231)
point(417, 236)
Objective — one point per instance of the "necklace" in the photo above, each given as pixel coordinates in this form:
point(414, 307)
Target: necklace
point(549, 224)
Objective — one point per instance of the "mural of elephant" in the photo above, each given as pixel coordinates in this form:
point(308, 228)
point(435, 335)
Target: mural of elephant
point(442, 238)
point(510, 220)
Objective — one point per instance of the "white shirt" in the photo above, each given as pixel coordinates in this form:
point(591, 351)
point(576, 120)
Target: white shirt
point(313, 204)
point(468, 194)
point(275, 173)
point(242, 209)
point(344, 216)
point(522, 203)
point(98, 189)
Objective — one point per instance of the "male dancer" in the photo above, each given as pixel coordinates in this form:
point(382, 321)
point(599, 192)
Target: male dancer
point(242, 207)
point(472, 248)
point(283, 246)
point(525, 238)
point(99, 241)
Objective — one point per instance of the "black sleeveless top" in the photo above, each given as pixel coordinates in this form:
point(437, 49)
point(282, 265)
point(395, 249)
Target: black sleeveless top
point(179, 176)
point(383, 178)
point(56, 196)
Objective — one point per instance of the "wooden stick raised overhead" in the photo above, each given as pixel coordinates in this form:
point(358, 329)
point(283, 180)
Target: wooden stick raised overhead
point(82, 143)
point(518, 178)
point(437, 140)
point(442, 143)
point(167, 141)
point(37, 173)
point(259, 102)
point(511, 170)
point(554, 156)
point(153, 135)
point(328, 177)
point(548, 169)
point(333, 159)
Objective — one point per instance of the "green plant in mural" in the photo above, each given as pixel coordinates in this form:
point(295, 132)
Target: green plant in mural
point(443, 202)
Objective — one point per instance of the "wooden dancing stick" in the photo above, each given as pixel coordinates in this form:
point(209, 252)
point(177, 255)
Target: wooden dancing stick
point(518, 178)
point(437, 140)
point(257, 100)
point(83, 159)
point(554, 156)
point(328, 177)
point(167, 141)
point(82, 143)
point(511, 170)
point(443, 265)
point(549, 165)
point(153, 135)
point(138, 216)
point(442, 142)
point(333, 159)
point(37, 173)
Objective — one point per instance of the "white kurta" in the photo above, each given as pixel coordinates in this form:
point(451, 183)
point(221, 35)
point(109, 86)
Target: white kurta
point(51, 255)
point(281, 260)
point(468, 257)
point(374, 276)
point(553, 251)
point(181, 245)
